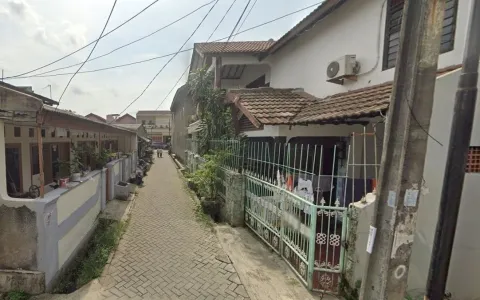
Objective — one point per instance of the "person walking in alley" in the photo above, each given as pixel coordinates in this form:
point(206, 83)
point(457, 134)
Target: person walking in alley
point(159, 152)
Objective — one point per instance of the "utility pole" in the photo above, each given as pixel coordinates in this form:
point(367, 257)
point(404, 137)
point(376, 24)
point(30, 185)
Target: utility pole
point(464, 112)
point(406, 136)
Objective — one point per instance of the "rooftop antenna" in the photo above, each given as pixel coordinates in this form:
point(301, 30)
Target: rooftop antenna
point(49, 86)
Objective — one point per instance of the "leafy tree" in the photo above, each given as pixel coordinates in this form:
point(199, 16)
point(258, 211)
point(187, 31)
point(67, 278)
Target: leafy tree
point(215, 116)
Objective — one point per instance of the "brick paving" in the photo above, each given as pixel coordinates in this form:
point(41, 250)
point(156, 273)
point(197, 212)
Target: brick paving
point(166, 253)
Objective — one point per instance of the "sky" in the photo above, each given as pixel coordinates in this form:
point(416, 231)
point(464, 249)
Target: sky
point(37, 32)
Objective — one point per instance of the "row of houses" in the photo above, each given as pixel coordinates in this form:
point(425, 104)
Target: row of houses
point(156, 122)
point(328, 81)
point(58, 170)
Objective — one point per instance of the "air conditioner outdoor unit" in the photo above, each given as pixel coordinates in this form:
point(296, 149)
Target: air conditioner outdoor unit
point(346, 67)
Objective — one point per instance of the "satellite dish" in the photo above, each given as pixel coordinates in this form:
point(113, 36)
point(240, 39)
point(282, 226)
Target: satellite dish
point(333, 69)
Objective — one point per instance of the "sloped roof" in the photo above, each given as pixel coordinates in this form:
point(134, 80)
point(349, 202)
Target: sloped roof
point(27, 92)
point(234, 47)
point(353, 104)
point(51, 111)
point(360, 103)
point(96, 116)
point(273, 106)
point(126, 116)
point(269, 105)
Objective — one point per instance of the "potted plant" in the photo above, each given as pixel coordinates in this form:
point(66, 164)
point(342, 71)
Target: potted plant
point(76, 164)
point(101, 158)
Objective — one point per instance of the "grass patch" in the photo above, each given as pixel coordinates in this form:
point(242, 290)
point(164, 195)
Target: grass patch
point(90, 265)
point(15, 295)
point(201, 217)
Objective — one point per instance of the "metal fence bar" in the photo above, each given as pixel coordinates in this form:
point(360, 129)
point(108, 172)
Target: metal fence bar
point(293, 202)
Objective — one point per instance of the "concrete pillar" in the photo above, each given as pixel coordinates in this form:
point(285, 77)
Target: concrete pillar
point(357, 239)
point(26, 159)
point(234, 209)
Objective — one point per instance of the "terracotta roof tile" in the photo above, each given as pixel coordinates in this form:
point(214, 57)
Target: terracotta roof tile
point(268, 105)
point(354, 104)
point(235, 47)
point(365, 102)
point(272, 106)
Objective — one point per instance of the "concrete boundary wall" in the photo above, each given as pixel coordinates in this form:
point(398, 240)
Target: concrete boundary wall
point(46, 234)
point(115, 169)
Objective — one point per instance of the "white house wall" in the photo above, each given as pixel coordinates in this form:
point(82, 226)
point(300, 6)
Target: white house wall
point(352, 29)
point(268, 130)
point(465, 262)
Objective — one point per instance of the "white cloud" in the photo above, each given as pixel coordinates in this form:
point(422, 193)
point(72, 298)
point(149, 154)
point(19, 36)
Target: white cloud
point(63, 35)
point(23, 10)
point(41, 31)
point(75, 33)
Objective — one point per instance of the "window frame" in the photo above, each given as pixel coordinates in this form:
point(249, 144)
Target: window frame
point(387, 33)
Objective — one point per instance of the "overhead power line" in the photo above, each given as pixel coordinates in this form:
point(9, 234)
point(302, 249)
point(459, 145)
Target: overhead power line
point(90, 54)
point(246, 17)
point(131, 43)
point(168, 62)
point(236, 24)
point(221, 20)
point(188, 67)
point(92, 42)
point(166, 55)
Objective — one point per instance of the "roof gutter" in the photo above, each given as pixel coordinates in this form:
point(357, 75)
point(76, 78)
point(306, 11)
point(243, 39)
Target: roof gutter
point(325, 9)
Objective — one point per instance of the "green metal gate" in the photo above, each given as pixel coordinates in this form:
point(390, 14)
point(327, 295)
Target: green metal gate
point(301, 232)
point(296, 198)
point(306, 229)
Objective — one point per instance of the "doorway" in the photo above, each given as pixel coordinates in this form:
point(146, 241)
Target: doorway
point(13, 166)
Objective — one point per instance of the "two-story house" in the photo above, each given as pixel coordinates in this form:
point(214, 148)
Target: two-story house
point(240, 68)
point(158, 124)
point(330, 76)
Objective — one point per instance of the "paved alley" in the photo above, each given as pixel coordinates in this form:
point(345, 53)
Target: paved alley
point(166, 253)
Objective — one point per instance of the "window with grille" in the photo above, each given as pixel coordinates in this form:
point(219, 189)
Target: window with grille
point(394, 22)
point(473, 160)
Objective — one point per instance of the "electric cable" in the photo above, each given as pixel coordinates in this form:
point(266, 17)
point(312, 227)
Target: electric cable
point(188, 67)
point(168, 62)
point(246, 17)
point(131, 43)
point(91, 51)
point(70, 54)
point(238, 21)
point(166, 55)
